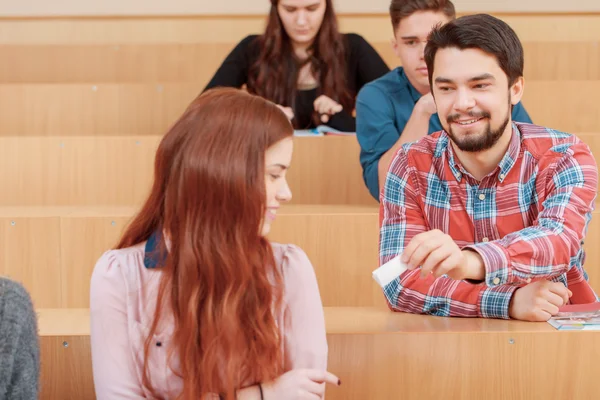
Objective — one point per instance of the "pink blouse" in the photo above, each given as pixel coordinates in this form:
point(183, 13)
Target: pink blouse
point(122, 304)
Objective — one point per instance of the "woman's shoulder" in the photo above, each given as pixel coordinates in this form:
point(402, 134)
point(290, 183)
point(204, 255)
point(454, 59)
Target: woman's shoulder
point(119, 266)
point(354, 40)
point(287, 255)
point(250, 43)
point(293, 262)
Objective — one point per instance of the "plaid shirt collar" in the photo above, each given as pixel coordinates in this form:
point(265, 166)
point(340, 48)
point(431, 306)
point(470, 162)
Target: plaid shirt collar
point(504, 167)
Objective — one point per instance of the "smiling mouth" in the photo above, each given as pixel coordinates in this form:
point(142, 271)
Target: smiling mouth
point(469, 122)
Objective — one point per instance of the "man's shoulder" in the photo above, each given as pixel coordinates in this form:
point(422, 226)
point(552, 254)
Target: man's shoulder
point(389, 84)
point(426, 149)
point(541, 141)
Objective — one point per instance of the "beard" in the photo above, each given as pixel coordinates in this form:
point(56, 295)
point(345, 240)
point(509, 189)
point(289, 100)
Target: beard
point(484, 140)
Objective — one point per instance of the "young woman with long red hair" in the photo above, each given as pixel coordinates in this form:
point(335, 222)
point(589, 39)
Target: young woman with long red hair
point(304, 64)
point(195, 302)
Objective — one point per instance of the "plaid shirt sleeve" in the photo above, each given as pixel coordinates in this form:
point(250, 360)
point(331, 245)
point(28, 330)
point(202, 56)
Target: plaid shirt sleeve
point(402, 220)
point(552, 244)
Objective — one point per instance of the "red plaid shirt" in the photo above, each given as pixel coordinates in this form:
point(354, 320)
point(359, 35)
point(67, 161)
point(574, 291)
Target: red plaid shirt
point(527, 219)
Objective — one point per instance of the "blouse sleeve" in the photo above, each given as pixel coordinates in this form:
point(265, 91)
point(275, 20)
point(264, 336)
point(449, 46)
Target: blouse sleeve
point(305, 338)
point(114, 369)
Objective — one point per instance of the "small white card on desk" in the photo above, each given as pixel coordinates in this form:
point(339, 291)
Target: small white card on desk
point(389, 271)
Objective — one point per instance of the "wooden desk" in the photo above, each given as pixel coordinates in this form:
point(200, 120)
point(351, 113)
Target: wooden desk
point(381, 355)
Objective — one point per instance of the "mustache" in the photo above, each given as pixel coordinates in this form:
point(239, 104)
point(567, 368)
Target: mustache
point(475, 115)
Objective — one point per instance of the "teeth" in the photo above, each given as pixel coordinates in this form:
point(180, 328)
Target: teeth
point(468, 122)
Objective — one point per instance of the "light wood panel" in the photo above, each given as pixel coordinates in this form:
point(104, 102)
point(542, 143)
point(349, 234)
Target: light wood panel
point(343, 248)
point(150, 109)
point(108, 170)
point(88, 109)
point(340, 241)
point(66, 368)
point(30, 254)
point(76, 171)
point(222, 29)
point(197, 62)
point(327, 170)
point(570, 106)
point(83, 240)
point(39, 8)
point(377, 353)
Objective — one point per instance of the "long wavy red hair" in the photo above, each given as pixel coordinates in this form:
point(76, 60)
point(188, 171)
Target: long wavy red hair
point(274, 75)
point(219, 278)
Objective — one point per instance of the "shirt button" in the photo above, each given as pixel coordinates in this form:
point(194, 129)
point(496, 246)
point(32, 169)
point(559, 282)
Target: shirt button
point(502, 176)
point(485, 240)
point(528, 280)
point(482, 197)
point(496, 281)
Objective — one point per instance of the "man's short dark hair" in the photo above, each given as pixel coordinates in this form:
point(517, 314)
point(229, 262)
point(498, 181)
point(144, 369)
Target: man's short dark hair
point(400, 9)
point(483, 32)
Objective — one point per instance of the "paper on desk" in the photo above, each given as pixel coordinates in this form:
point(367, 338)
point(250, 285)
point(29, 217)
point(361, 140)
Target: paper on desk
point(389, 271)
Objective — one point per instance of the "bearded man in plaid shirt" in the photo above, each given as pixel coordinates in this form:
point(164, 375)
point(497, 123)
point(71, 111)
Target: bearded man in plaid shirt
point(490, 215)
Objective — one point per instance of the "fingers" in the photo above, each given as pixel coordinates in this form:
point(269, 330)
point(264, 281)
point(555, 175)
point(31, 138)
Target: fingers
point(554, 299)
point(289, 113)
point(560, 290)
point(323, 377)
point(325, 105)
point(540, 316)
point(448, 265)
point(420, 247)
point(315, 388)
point(434, 259)
point(324, 118)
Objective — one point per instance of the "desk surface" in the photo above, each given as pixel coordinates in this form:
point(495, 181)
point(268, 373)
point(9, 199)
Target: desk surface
point(339, 320)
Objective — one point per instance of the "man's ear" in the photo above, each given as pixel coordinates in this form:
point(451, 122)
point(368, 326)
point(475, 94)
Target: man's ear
point(394, 44)
point(516, 91)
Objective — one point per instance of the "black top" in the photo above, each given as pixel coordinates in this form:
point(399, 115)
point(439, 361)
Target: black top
point(363, 65)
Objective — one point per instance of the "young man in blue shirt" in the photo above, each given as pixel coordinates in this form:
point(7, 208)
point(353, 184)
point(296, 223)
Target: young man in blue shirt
point(398, 107)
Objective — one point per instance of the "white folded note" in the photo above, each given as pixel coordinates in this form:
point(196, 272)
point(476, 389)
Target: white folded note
point(389, 271)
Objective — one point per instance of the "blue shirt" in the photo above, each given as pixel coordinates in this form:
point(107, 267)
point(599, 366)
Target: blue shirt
point(383, 108)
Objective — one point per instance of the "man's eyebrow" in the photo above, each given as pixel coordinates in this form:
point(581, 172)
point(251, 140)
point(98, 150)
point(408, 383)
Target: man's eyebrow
point(482, 77)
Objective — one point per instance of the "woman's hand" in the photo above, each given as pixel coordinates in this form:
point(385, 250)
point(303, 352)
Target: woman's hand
point(299, 384)
point(289, 113)
point(326, 107)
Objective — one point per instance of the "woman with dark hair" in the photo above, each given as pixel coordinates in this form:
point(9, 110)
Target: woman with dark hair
point(304, 64)
point(195, 302)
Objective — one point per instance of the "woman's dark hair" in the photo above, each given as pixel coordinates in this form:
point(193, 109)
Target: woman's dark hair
point(274, 75)
point(483, 32)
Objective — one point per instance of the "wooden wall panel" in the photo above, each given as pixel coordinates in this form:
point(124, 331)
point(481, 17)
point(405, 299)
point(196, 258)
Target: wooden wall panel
point(66, 368)
point(196, 63)
point(30, 254)
point(340, 241)
point(88, 109)
point(327, 170)
point(342, 245)
point(84, 240)
point(150, 109)
point(231, 29)
point(76, 171)
point(107, 170)
point(570, 106)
